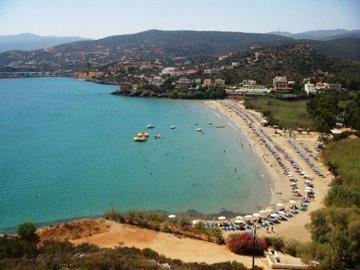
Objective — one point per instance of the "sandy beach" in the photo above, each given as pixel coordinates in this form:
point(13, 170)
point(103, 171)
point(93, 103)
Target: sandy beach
point(110, 234)
point(294, 227)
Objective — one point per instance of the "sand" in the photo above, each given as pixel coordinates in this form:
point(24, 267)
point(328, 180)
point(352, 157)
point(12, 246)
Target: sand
point(175, 247)
point(191, 250)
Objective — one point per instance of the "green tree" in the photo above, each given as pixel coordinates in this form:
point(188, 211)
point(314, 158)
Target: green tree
point(26, 230)
point(352, 113)
point(324, 109)
point(335, 232)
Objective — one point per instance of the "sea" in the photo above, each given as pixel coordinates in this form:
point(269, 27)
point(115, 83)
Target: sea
point(67, 151)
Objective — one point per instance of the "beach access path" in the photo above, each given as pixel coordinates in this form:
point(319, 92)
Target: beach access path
point(294, 228)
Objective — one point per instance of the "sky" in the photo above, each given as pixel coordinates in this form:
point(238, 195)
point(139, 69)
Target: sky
point(101, 18)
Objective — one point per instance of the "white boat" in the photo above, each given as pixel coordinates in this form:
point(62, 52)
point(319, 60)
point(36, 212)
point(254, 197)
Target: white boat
point(150, 126)
point(172, 127)
point(198, 129)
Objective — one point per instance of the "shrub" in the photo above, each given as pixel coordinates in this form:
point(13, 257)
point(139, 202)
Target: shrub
point(276, 243)
point(115, 216)
point(243, 243)
point(26, 230)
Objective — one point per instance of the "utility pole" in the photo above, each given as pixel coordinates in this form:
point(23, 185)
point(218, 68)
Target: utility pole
point(254, 244)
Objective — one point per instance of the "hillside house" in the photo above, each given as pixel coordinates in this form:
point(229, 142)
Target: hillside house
point(198, 81)
point(280, 84)
point(157, 81)
point(219, 82)
point(249, 82)
point(183, 83)
point(210, 71)
point(310, 88)
point(169, 71)
point(207, 82)
point(235, 64)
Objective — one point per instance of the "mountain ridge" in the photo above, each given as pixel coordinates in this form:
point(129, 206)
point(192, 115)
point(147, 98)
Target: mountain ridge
point(30, 41)
point(321, 34)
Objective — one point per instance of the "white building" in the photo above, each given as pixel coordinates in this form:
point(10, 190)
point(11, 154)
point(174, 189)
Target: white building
point(236, 64)
point(169, 71)
point(157, 81)
point(219, 82)
point(310, 88)
point(280, 82)
point(249, 82)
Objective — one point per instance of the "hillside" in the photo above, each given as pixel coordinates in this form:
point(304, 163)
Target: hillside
point(295, 61)
point(28, 41)
point(169, 47)
point(179, 48)
point(342, 48)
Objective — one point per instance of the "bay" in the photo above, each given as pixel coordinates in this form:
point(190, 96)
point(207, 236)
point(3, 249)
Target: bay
point(67, 151)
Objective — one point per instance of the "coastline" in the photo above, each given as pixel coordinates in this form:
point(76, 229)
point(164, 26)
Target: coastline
point(279, 192)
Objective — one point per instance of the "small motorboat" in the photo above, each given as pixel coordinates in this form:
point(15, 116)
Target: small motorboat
point(150, 126)
point(157, 136)
point(209, 123)
point(172, 127)
point(140, 139)
point(199, 129)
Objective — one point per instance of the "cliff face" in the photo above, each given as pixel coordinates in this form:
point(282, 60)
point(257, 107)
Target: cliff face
point(88, 75)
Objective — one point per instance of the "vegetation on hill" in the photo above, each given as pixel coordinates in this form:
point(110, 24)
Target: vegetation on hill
point(346, 48)
point(297, 62)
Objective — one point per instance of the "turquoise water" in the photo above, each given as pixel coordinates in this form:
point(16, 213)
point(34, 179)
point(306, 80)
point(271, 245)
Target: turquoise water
point(66, 151)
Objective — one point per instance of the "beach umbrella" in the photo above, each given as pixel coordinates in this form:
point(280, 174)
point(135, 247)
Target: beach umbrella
point(248, 216)
point(279, 204)
point(172, 216)
point(292, 202)
point(273, 215)
point(238, 221)
point(221, 218)
point(262, 212)
point(195, 221)
point(238, 217)
point(256, 215)
point(268, 210)
point(281, 212)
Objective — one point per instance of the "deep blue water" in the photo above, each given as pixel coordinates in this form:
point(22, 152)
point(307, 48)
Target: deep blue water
point(67, 151)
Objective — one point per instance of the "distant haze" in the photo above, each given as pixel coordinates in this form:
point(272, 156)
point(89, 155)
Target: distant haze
point(96, 19)
point(27, 41)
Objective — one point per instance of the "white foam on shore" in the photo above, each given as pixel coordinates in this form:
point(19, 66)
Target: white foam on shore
point(271, 190)
point(218, 115)
point(234, 128)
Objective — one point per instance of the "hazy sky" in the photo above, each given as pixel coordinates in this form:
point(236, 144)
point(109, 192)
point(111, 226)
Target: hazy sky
point(101, 18)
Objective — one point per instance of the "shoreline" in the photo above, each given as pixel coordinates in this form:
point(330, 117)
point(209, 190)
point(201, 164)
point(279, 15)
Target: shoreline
point(276, 186)
point(295, 226)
